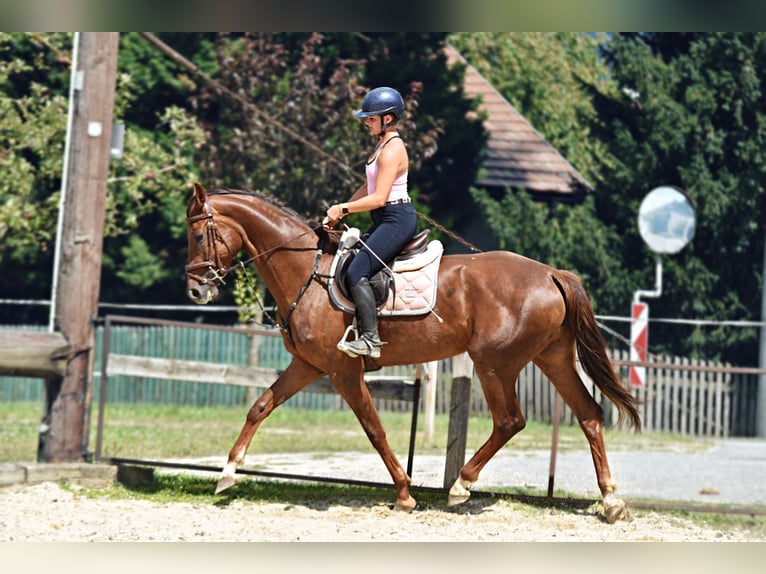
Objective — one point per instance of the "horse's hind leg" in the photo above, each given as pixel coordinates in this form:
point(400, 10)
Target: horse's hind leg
point(558, 364)
point(296, 376)
point(499, 386)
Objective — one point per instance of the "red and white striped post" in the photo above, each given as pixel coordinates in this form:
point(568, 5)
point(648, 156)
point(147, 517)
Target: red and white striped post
point(639, 341)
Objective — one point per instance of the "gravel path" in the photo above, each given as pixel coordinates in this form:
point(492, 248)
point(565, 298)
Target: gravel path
point(48, 513)
point(729, 472)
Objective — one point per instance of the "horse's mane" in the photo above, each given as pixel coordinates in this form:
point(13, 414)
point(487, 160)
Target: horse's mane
point(260, 195)
point(332, 239)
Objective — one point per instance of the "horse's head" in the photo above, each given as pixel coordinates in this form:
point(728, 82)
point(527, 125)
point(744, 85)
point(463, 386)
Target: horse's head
point(212, 247)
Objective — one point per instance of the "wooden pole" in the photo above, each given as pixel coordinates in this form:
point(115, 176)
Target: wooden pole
point(81, 238)
point(460, 404)
point(429, 404)
point(557, 408)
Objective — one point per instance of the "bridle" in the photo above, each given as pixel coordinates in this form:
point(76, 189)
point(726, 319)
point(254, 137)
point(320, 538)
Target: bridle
point(216, 272)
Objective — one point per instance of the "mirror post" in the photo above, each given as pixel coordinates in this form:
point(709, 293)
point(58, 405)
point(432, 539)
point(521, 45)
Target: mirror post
point(657, 282)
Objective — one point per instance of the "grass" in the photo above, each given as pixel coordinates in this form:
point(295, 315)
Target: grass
point(171, 431)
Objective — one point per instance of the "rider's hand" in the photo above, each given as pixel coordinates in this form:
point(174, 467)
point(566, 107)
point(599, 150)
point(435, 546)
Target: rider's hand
point(333, 216)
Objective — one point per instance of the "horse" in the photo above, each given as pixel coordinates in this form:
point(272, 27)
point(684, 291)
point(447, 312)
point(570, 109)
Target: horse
point(500, 307)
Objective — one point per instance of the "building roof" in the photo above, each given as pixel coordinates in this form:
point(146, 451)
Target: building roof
point(516, 154)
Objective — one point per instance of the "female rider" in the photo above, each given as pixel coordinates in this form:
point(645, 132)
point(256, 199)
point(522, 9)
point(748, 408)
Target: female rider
point(394, 218)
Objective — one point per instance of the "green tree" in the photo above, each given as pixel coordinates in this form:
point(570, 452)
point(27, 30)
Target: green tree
point(142, 198)
point(690, 112)
point(549, 78)
point(33, 120)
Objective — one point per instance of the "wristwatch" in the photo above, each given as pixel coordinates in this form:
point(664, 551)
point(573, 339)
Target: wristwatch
point(344, 208)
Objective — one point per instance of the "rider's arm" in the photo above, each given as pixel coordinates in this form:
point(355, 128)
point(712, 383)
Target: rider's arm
point(392, 161)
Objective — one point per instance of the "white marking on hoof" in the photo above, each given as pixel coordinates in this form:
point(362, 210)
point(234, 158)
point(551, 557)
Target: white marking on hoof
point(227, 477)
point(614, 508)
point(406, 506)
point(459, 492)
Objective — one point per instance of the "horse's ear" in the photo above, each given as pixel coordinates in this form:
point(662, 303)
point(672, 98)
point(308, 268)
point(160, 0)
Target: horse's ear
point(199, 193)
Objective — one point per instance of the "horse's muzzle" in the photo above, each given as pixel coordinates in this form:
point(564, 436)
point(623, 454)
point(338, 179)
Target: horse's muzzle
point(202, 293)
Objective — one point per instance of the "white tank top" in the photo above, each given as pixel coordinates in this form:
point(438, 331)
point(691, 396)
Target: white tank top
point(398, 188)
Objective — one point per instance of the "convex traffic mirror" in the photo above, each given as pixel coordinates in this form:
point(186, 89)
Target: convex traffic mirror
point(666, 219)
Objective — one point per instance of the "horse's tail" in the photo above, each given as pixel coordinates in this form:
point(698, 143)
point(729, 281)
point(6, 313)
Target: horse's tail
point(591, 347)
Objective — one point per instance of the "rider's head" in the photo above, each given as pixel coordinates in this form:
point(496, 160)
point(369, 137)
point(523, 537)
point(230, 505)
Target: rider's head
point(382, 102)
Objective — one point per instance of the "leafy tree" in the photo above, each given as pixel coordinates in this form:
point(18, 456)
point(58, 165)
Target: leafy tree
point(33, 120)
point(547, 77)
point(661, 109)
point(143, 186)
point(252, 142)
point(690, 112)
point(158, 81)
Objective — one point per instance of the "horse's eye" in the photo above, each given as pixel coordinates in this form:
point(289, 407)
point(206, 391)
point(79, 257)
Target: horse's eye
point(199, 237)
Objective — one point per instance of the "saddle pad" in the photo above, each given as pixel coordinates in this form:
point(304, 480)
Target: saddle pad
point(414, 292)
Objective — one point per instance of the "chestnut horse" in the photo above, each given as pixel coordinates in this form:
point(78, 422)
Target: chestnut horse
point(505, 310)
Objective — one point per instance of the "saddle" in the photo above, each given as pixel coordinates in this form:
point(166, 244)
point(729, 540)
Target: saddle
point(407, 286)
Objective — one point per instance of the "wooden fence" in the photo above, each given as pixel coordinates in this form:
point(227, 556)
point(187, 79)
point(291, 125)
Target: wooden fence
point(688, 397)
point(685, 397)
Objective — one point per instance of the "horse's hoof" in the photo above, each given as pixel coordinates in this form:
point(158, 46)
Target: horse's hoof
point(453, 500)
point(406, 505)
point(224, 483)
point(614, 509)
point(459, 492)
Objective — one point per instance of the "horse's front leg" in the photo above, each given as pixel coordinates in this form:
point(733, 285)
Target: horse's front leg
point(295, 377)
point(352, 388)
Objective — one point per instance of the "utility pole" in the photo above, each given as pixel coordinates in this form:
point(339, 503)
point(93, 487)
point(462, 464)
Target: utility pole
point(760, 412)
point(80, 238)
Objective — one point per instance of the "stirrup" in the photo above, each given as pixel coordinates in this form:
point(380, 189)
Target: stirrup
point(359, 346)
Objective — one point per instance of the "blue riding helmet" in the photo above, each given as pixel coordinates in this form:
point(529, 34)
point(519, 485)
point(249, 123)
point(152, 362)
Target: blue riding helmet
point(381, 101)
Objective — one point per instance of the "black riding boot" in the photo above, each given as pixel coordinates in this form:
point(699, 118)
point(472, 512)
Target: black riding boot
point(368, 342)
